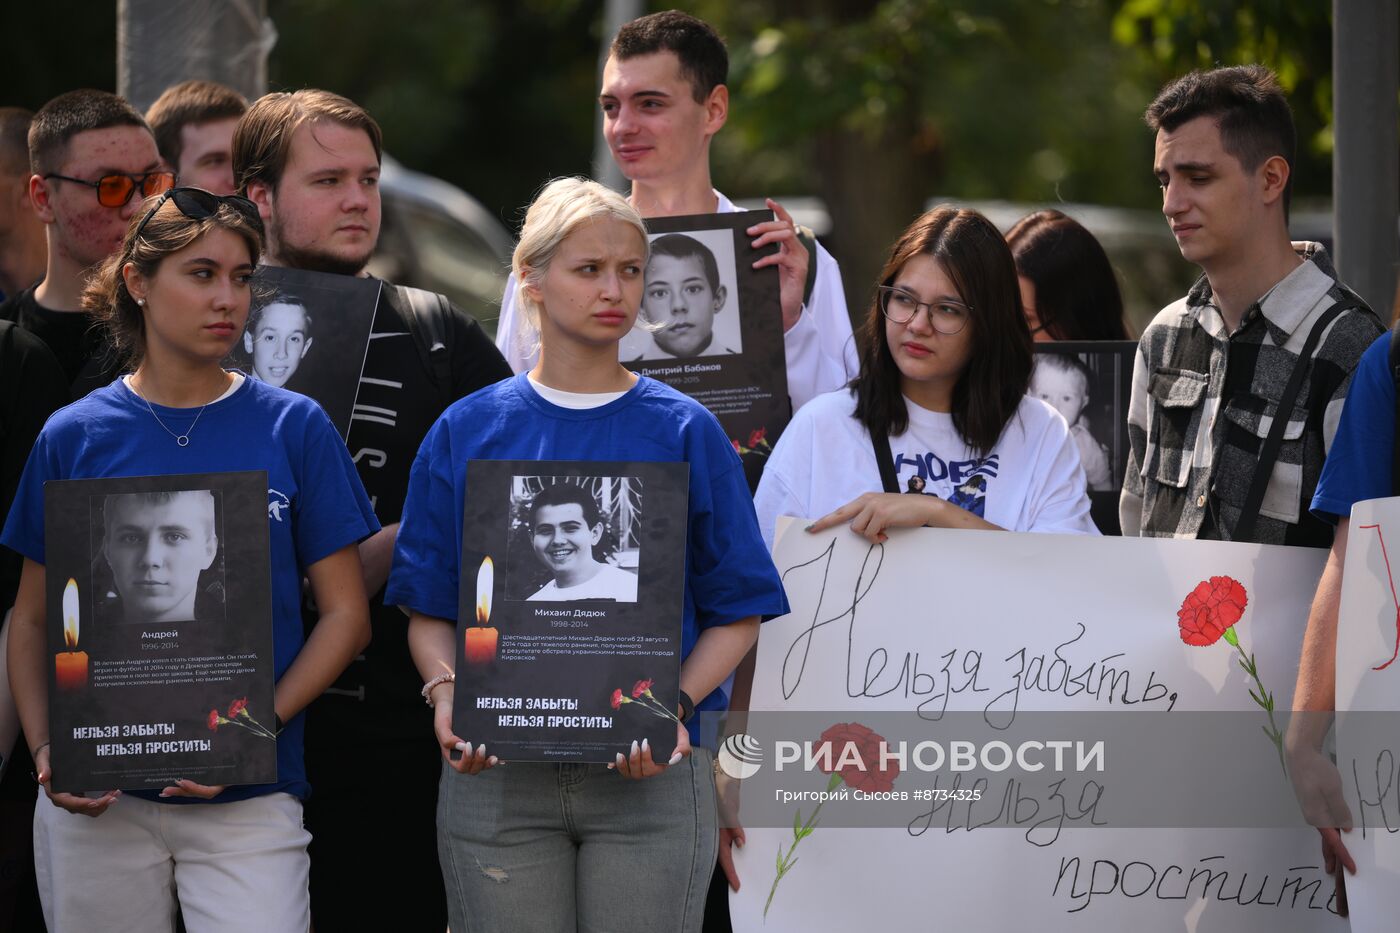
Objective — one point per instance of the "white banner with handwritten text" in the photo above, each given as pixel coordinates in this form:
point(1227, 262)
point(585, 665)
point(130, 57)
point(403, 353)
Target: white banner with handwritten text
point(1002, 623)
point(1368, 683)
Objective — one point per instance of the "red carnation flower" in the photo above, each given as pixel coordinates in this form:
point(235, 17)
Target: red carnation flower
point(213, 720)
point(877, 774)
point(757, 437)
point(616, 699)
point(236, 707)
point(737, 448)
point(641, 687)
point(1210, 610)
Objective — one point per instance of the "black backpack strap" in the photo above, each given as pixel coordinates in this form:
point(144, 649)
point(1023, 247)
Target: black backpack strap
point(809, 240)
point(1395, 377)
point(1268, 452)
point(428, 315)
point(888, 477)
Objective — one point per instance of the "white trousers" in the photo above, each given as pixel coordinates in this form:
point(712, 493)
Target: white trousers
point(237, 866)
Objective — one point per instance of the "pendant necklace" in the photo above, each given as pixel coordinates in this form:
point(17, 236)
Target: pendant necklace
point(182, 439)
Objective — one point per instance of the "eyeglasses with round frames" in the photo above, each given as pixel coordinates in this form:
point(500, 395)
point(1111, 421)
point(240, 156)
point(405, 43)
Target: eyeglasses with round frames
point(946, 315)
point(116, 189)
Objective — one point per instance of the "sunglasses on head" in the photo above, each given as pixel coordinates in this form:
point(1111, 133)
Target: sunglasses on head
point(198, 204)
point(116, 189)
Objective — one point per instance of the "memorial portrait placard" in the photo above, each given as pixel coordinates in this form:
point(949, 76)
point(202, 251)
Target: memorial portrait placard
point(159, 631)
point(569, 616)
point(309, 332)
point(1089, 383)
point(711, 326)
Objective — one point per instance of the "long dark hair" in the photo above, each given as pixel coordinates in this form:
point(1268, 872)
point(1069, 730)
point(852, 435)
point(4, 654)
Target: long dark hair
point(1076, 295)
point(973, 254)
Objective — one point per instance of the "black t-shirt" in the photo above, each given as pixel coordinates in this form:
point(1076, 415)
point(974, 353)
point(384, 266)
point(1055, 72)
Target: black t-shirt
point(32, 387)
point(74, 337)
point(397, 403)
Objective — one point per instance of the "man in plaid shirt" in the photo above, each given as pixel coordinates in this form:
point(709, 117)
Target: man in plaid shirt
point(1211, 368)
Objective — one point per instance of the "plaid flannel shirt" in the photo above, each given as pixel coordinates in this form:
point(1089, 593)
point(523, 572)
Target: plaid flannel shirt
point(1203, 401)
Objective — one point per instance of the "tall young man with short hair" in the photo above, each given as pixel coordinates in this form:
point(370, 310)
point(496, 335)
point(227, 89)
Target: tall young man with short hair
point(93, 161)
point(193, 123)
point(22, 249)
point(1213, 370)
point(310, 161)
point(663, 101)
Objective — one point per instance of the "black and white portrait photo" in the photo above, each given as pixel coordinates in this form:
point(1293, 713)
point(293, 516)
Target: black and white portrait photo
point(690, 303)
point(308, 332)
point(574, 538)
point(157, 557)
point(277, 338)
point(159, 610)
point(1088, 383)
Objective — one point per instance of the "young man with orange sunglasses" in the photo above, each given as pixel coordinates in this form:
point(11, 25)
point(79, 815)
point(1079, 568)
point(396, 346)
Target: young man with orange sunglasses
point(94, 161)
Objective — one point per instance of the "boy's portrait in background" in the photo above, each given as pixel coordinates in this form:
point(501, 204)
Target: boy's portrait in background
point(278, 337)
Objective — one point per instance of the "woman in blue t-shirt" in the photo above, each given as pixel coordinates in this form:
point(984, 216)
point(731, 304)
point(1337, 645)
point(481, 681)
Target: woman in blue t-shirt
point(542, 846)
point(174, 300)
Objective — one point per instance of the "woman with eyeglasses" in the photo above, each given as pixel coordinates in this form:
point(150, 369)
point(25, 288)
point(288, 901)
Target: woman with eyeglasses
point(941, 397)
point(174, 300)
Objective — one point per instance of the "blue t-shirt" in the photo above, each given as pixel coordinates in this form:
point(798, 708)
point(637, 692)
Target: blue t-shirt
point(729, 575)
point(316, 504)
point(1359, 464)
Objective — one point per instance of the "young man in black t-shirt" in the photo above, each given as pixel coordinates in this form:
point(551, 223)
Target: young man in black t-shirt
point(32, 387)
point(94, 160)
point(310, 161)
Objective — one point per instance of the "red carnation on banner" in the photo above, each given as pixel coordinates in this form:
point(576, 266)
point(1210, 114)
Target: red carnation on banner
point(850, 752)
point(618, 699)
point(641, 687)
point(1210, 613)
point(758, 437)
point(215, 720)
point(737, 448)
point(236, 707)
point(856, 754)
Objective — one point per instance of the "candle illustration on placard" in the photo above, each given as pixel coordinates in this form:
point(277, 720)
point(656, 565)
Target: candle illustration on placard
point(481, 638)
point(71, 666)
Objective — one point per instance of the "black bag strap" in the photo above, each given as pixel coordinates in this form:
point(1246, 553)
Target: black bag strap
point(1395, 377)
point(1268, 453)
point(888, 477)
point(809, 240)
point(428, 315)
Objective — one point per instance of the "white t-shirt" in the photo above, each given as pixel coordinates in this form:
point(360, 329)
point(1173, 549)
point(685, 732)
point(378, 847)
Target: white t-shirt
point(1031, 480)
point(609, 583)
point(820, 349)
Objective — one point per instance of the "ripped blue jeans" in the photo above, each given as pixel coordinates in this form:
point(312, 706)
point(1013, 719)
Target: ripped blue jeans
point(575, 847)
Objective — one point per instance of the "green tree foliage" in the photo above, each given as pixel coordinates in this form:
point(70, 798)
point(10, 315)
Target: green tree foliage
point(495, 97)
point(880, 105)
point(1171, 37)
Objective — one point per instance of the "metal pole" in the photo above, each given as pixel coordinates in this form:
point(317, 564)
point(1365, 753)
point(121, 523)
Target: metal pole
point(1366, 157)
point(616, 13)
point(160, 43)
